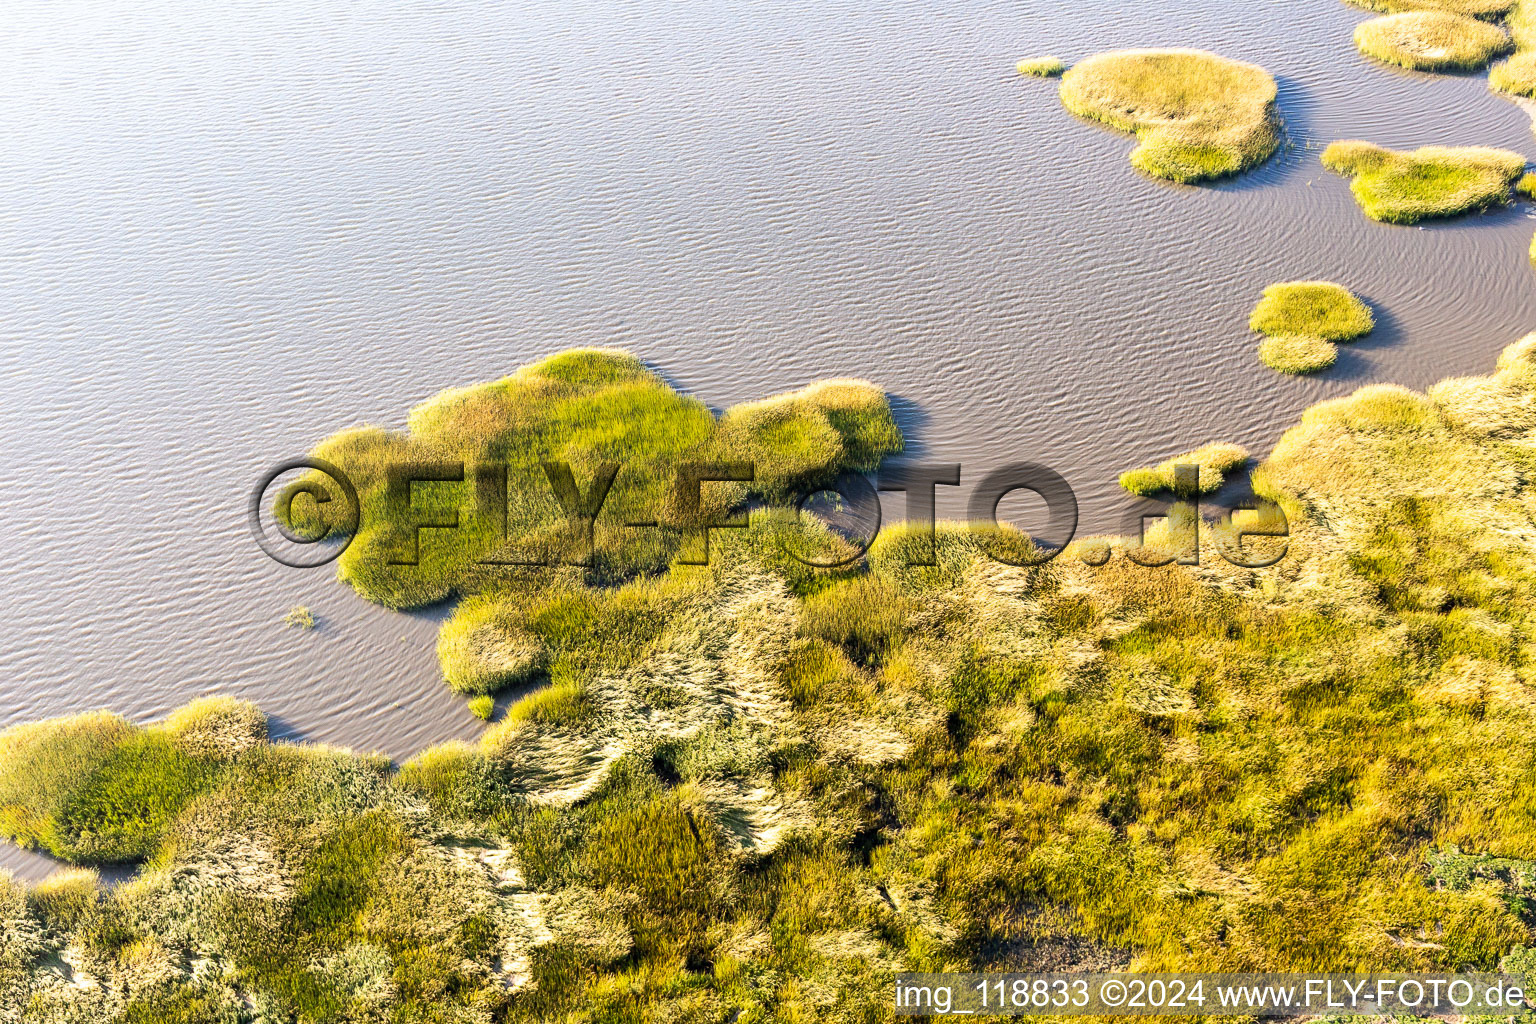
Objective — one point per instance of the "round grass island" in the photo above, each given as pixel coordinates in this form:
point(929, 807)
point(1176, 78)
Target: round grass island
point(1196, 115)
point(1432, 41)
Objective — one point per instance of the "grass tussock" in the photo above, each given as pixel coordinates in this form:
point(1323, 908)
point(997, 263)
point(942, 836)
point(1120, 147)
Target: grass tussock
point(1297, 354)
point(299, 617)
point(1196, 116)
point(1517, 75)
point(1213, 462)
point(1432, 181)
point(1432, 41)
point(1041, 67)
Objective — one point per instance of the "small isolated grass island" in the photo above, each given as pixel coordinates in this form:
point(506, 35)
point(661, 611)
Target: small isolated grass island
point(1215, 461)
point(1196, 115)
point(1303, 319)
point(1433, 181)
point(1432, 41)
point(1042, 67)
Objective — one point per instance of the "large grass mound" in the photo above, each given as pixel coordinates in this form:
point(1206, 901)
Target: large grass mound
point(587, 408)
point(1320, 308)
point(1432, 181)
point(1432, 41)
point(1196, 115)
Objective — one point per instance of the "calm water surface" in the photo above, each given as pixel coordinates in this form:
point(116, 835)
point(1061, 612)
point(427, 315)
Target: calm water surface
point(227, 230)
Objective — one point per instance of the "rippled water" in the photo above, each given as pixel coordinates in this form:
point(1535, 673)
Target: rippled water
point(229, 230)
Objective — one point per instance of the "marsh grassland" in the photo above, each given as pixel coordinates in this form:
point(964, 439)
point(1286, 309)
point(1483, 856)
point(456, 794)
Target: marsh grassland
point(1432, 41)
point(1433, 181)
point(1196, 116)
point(1517, 76)
point(753, 790)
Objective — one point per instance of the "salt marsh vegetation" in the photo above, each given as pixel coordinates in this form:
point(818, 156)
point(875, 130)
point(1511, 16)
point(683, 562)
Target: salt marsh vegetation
point(1212, 461)
point(1303, 319)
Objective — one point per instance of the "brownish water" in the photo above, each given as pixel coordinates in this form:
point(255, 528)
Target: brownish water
point(227, 231)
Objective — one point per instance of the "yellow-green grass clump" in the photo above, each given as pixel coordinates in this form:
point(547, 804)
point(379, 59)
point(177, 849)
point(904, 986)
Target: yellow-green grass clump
point(1487, 10)
point(1196, 115)
point(1214, 462)
point(1517, 76)
point(1042, 67)
point(1433, 181)
point(299, 617)
point(482, 707)
point(1303, 319)
point(1432, 41)
point(586, 408)
point(1297, 353)
point(1526, 186)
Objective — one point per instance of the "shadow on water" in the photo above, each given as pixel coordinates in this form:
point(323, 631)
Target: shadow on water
point(1291, 158)
point(1354, 364)
point(280, 728)
point(911, 417)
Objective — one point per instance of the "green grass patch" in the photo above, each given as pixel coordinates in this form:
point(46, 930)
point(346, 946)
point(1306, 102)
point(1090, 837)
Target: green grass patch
point(1213, 461)
point(1196, 115)
point(1432, 181)
point(1432, 41)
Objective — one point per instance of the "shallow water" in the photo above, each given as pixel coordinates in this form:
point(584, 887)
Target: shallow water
point(227, 231)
